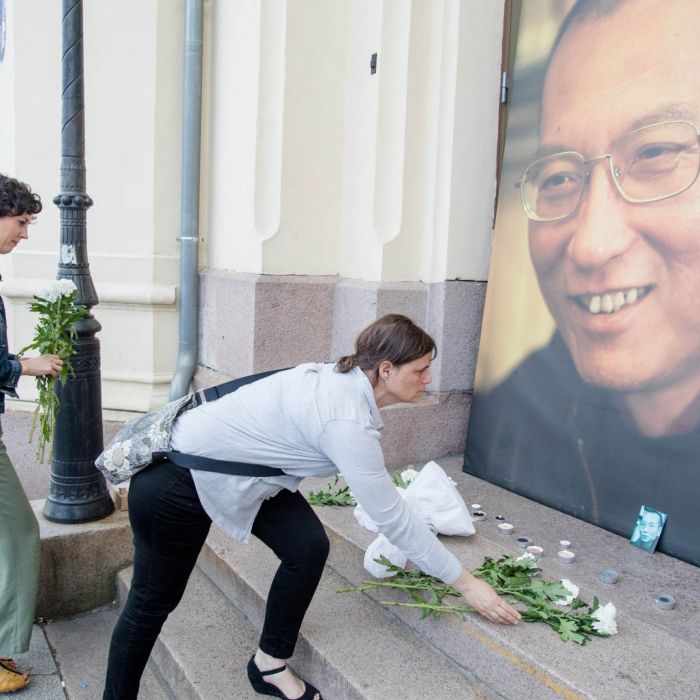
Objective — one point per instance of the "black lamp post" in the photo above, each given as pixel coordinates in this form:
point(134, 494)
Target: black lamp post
point(78, 492)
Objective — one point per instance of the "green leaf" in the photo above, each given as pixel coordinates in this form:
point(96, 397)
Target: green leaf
point(552, 590)
point(398, 481)
point(55, 334)
point(428, 595)
point(329, 497)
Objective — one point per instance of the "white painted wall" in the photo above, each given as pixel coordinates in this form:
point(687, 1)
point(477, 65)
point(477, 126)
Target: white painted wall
point(310, 166)
point(133, 96)
point(319, 167)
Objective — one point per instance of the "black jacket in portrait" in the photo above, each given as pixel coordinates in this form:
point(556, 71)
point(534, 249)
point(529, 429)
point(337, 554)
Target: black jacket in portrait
point(547, 435)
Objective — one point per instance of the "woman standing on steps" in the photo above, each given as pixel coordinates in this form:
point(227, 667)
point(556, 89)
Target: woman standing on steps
point(19, 530)
point(312, 420)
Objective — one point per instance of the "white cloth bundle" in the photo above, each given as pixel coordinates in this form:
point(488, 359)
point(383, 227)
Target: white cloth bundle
point(434, 498)
point(378, 547)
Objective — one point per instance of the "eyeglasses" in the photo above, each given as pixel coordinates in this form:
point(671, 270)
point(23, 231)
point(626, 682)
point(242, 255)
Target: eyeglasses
point(648, 164)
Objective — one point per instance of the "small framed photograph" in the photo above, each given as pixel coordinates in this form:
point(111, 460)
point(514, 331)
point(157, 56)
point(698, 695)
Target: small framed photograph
point(650, 523)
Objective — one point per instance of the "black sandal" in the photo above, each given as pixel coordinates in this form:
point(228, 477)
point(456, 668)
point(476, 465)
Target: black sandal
point(257, 680)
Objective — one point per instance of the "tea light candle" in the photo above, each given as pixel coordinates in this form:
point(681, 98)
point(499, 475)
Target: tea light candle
point(665, 601)
point(608, 576)
point(476, 506)
point(478, 515)
point(505, 528)
point(564, 544)
point(500, 518)
point(535, 550)
point(566, 556)
point(523, 542)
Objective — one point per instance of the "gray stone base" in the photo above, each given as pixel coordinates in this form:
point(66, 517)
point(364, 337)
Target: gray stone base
point(79, 563)
point(416, 433)
point(252, 323)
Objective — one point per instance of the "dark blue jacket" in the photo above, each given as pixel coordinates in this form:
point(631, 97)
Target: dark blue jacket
point(10, 368)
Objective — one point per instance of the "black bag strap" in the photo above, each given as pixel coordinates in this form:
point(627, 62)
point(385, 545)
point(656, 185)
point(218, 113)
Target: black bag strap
point(219, 465)
point(215, 392)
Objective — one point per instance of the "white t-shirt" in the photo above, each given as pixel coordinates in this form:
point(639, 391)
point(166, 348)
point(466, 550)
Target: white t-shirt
point(308, 421)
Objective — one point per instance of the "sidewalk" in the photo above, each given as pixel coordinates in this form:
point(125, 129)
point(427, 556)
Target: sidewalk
point(67, 660)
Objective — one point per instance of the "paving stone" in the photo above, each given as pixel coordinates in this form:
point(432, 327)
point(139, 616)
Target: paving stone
point(80, 645)
point(38, 662)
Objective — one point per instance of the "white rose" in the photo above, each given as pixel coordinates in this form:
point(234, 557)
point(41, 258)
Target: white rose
point(57, 288)
point(50, 291)
point(408, 475)
point(528, 562)
point(605, 619)
point(573, 592)
point(66, 287)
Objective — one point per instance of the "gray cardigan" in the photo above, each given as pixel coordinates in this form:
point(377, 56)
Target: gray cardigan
point(308, 421)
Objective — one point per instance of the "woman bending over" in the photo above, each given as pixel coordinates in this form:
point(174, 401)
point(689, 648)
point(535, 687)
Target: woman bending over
point(312, 420)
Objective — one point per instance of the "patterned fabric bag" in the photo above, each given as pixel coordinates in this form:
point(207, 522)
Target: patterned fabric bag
point(146, 439)
point(133, 447)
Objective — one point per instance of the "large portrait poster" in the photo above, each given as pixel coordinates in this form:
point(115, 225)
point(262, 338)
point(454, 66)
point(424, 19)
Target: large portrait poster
point(587, 396)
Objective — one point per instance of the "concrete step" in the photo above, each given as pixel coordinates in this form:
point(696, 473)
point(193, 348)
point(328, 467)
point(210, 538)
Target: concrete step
point(204, 646)
point(653, 651)
point(348, 647)
point(352, 648)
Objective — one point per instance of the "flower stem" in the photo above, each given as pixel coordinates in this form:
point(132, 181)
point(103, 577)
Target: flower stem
point(429, 606)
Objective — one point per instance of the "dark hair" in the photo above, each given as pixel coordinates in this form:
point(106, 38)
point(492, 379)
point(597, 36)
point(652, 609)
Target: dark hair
point(16, 198)
point(651, 511)
point(584, 11)
point(392, 337)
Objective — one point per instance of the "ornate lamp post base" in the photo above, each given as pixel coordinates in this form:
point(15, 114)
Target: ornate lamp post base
point(78, 492)
point(77, 499)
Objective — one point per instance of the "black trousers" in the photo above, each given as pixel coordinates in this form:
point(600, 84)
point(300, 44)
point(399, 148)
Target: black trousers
point(169, 527)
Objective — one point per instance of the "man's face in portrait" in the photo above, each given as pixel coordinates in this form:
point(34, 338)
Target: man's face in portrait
point(622, 278)
point(649, 527)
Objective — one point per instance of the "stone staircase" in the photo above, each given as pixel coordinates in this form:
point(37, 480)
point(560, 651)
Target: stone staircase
point(352, 648)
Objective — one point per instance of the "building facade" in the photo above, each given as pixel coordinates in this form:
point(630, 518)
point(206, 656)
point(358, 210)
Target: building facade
point(349, 157)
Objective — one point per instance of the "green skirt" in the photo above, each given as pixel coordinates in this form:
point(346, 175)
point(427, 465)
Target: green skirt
point(19, 561)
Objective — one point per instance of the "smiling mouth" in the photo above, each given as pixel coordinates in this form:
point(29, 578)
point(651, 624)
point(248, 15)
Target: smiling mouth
point(611, 302)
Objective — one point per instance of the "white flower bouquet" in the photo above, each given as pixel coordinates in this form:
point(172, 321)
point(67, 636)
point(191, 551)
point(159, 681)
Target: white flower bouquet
point(403, 479)
point(537, 600)
point(55, 334)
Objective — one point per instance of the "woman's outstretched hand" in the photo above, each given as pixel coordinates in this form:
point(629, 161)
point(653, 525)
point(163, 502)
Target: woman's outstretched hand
point(480, 596)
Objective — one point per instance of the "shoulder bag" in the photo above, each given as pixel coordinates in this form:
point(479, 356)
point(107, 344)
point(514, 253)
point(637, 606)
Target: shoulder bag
point(146, 439)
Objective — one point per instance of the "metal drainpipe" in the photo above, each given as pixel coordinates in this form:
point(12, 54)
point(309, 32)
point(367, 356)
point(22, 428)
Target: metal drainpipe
point(189, 211)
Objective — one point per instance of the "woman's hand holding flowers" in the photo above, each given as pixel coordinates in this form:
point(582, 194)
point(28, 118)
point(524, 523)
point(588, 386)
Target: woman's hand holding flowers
point(41, 366)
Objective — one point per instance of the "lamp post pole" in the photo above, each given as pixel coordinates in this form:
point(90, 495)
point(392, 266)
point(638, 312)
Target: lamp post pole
point(78, 492)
